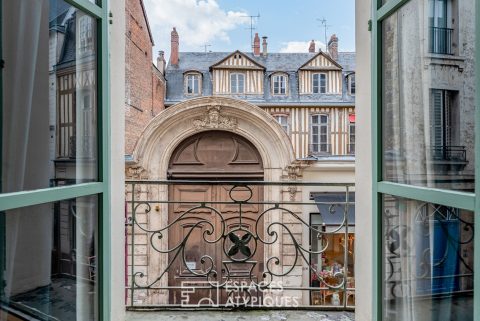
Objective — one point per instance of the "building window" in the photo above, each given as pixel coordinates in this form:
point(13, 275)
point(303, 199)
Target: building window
point(319, 83)
point(283, 121)
point(351, 84)
point(192, 84)
point(319, 134)
point(351, 135)
point(237, 83)
point(279, 83)
point(440, 26)
point(443, 137)
point(86, 34)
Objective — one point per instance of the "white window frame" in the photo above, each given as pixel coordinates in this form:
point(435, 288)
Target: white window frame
point(281, 88)
point(234, 85)
point(190, 80)
point(319, 89)
point(319, 150)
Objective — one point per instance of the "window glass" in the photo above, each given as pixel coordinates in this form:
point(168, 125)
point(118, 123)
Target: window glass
point(49, 102)
point(50, 262)
point(283, 121)
point(351, 134)
point(351, 80)
point(193, 84)
point(332, 243)
point(237, 83)
point(319, 83)
point(428, 103)
point(320, 142)
point(279, 85)
point(427, 261)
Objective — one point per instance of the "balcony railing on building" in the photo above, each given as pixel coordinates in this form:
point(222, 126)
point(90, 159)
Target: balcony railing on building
point(449, 158)
point(441, 40)
point(239, 244)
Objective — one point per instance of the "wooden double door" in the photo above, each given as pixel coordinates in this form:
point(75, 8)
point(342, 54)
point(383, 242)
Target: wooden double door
point(216, 235)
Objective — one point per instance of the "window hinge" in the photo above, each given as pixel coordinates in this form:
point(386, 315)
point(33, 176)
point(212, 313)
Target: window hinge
point(111, 17)
point(2, 63)
point(370, 25)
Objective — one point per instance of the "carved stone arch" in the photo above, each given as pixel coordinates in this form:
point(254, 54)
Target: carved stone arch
point(175, 124)
point(215, 154)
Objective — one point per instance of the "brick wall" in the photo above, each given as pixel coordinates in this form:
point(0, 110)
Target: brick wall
point(144, 84)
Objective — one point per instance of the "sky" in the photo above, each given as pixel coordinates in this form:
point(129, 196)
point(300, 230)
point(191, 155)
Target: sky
point(222, 24)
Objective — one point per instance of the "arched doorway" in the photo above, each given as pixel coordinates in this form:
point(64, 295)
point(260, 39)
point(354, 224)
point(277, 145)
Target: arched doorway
point(208, 232)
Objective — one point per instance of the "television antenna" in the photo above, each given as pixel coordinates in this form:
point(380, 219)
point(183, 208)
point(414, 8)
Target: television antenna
point(252, 27)
point(205, 47)
point(323, 21)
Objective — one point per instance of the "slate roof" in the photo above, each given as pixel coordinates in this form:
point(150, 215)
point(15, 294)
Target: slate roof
point(273, 62)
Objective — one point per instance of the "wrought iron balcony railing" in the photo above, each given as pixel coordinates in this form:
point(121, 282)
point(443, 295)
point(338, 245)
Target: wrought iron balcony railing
point(441, 40)
point(239, 243)
point(449, 153)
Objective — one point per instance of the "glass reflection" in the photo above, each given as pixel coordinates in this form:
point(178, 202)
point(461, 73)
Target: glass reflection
point(50, 262)
point(428, 261)
point(429, 94)
point(49, 90)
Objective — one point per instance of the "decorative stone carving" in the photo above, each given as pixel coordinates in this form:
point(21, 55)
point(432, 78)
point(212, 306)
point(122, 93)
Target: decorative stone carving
point(292, 190)
point(294, 170)
point(136, 172)
point(213, 120)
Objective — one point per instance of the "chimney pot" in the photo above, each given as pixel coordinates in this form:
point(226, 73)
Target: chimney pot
point(333, 47)
point(174, 47)
point(264, 45)
point(161, 61)
point(256, 45)
point(312, 46)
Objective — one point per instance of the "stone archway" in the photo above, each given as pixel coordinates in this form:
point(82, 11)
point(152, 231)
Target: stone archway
point(169, 129)
point(172, 126)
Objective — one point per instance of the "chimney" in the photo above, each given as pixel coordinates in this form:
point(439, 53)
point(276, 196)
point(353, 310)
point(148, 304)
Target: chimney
point(333, 47)
point(174, 47)
point(312, 46)
point(256, 45)
point(161, 62)
point(264, 46)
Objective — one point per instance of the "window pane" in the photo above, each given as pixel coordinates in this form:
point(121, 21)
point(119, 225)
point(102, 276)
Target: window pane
point(233, 83)
point(428, 261)
point(51, 261)
point(428, 102)
point(49, 95)
point(240, 83)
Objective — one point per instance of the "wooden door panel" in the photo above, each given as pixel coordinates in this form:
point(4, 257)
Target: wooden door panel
point(191, 193)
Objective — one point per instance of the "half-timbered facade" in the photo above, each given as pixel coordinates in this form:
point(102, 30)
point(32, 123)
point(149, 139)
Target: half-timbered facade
point(311, 94)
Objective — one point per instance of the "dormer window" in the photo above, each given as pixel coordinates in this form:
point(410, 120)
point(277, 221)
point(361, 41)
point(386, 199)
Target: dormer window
point(351, 84)
point(319, 83)
point(237, 83)
point(279, 84)
point(192, 84)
